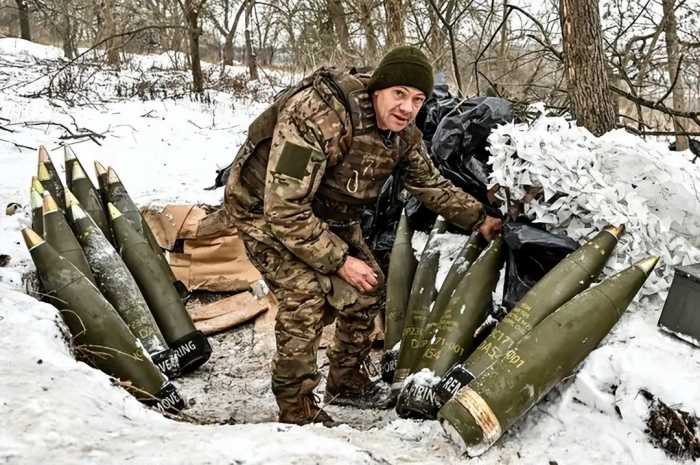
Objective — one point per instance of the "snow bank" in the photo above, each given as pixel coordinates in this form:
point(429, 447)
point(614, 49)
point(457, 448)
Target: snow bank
point(66, 409)
point(24, 48)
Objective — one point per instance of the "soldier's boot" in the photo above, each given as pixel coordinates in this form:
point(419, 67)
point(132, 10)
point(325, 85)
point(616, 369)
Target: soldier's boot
point(304, 411)
point(353, 387)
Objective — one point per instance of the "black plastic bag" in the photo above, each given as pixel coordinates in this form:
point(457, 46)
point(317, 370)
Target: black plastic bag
point(532, 252)
point(440, 104)
point(459, 147)
point(379, 222)
point(693, 145)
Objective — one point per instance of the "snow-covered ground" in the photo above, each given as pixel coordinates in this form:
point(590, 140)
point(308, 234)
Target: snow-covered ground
point(166, 151)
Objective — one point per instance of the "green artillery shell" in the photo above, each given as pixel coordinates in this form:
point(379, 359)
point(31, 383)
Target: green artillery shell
point(58, 233)
point(70, 201)
point(461, 265)
point(419, 302)
point(464, 313)
point(454, 339)
point(89, 198)
point(51, 183)
point(119, 197)
point(101, 173)
point(175, 323)
point(480, 412)
point(99, 333)
point(37, 186)
point(571, 276)
point(70, 159)
point(37, 211)
point(46, 160)
point(402, 266)
point(119, 287)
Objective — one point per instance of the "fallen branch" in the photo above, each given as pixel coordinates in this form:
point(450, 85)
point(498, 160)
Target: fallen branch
point(19, 146)
point(693, 115)
point(659, 133)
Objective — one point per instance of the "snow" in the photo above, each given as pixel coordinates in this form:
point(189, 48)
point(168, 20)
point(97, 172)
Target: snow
point(167, 151)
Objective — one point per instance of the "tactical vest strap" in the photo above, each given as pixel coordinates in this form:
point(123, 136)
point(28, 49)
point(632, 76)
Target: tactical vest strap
point(343, 85)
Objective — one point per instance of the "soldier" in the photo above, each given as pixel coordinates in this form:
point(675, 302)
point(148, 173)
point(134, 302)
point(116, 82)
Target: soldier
point(312, 161)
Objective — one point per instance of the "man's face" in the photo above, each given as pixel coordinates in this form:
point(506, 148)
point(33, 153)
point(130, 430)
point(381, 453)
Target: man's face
point(397, 106)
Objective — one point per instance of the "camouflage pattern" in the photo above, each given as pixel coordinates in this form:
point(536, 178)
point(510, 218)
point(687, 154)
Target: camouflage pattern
point(308, 300)
point(297, 197)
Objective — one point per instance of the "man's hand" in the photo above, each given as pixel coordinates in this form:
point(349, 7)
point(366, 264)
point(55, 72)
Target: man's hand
point(358, 274)
point(491, 227)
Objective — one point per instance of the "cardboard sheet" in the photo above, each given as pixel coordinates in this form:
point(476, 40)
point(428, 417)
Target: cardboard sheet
point(213, 257)
point(227, 313)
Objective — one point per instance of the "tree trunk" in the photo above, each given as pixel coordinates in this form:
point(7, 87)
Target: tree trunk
point(370, 33)
point(585, 66)
point(437, 41)
point(503, 48)
point(673, 55)
point(23, 9)
point(228, 50)
point(395, 35)
point(249, 51)
point(192, 9)
point(110, 29)
point(337, 17)
point(67, 33)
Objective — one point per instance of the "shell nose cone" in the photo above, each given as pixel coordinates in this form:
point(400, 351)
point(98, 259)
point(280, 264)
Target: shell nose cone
point(36, 185)
point(78, 172)
point(100, 169)
point(68, 153)
point(70, 199)
point(43, 154)
point(647, 264)
point(31, 238)
point(113, 211)
point(77, 212)
point(43, 172)
point(112, 177)
point(50, 204)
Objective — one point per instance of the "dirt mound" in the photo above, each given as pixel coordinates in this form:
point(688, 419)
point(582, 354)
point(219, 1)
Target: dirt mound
point(672, 429)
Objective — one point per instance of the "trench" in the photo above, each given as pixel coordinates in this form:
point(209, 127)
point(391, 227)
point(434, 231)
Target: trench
point(233, 387)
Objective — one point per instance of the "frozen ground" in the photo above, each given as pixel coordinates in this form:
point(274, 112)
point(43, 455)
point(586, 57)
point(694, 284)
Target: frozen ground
point(166, 151)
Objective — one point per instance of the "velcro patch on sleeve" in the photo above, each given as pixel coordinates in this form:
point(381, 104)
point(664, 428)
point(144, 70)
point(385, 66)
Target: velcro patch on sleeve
point(293, 160)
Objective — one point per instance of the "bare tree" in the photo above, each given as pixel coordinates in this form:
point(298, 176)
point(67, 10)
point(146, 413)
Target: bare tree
point(250, 51)
point(585, 65)
point(674, 68)
point(395, 35)
point(365, 18)
point(226, 22)
point(107, 28)
point(192, 9)
point(336, 14)
point(23, 13)
point(503, 47)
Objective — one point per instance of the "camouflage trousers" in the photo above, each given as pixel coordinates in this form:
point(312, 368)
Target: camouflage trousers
point(308, 300)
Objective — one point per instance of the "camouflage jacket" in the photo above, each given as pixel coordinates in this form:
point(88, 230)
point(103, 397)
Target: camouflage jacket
point(326, 161)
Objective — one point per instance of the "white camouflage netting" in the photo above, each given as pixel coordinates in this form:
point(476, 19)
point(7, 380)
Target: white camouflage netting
point(615, 179)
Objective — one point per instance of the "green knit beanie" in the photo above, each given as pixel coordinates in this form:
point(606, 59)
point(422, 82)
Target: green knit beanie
point(403, 66)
